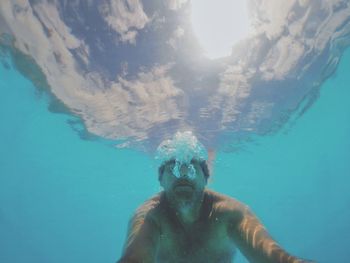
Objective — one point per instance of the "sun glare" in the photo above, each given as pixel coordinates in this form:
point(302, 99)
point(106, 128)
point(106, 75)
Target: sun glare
point(219, 24)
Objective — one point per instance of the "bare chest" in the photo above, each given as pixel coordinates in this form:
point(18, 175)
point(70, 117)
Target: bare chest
point(207, 241)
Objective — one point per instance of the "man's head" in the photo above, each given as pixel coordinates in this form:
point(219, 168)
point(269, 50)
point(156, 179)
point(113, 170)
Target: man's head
point(183, 171)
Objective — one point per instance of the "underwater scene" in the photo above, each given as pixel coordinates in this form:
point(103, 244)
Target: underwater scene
point(97, 96)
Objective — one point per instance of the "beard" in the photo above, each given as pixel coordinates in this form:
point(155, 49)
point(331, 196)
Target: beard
point(184, 198)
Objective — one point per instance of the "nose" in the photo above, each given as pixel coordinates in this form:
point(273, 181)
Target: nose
point(184, 171)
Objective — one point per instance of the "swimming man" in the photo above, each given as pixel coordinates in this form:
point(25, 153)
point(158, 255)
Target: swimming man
point(187, 223)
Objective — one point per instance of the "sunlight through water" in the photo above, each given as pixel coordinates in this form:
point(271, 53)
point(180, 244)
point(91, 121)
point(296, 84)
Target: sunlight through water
point(219, 24)
point(136, 72)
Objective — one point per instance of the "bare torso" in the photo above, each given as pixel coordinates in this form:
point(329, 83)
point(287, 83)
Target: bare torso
point(157, 234)
point(206, 240)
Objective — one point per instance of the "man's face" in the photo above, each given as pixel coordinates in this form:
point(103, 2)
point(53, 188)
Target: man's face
point(187, 185)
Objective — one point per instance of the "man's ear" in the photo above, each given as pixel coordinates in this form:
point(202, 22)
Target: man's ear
point(211, 159)
point(160, 179)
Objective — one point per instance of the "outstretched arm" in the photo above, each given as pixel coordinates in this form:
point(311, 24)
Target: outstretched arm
point(143, 236)
point(255, 243)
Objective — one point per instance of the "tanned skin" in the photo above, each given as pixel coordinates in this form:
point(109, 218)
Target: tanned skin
point(187, 223)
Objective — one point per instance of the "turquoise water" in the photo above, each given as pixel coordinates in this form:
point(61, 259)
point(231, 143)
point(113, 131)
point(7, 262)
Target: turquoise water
point(64, 199)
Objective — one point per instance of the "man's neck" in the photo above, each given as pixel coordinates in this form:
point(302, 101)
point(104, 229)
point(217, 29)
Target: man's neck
point(188, 213)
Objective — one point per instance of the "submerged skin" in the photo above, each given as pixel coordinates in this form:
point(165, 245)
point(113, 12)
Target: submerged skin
point(188, 223)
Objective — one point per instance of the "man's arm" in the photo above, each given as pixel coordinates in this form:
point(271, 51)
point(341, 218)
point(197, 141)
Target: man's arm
point(142, 238)
point(254, 241)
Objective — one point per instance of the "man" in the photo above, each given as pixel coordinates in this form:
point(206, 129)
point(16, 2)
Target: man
point(188, 223)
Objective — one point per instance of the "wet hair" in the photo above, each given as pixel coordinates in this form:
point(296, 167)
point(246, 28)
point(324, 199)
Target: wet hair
point(203, 164)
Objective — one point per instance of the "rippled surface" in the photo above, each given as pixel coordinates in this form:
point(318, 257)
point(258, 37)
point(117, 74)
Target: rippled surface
point(137, 70)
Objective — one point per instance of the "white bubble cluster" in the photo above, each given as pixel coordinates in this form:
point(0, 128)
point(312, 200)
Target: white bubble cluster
point(182, 148)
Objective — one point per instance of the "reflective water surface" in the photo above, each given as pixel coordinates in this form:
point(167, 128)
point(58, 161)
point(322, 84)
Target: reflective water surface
point(138, 71)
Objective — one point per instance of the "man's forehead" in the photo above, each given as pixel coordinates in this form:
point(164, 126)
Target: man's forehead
point(183, 147)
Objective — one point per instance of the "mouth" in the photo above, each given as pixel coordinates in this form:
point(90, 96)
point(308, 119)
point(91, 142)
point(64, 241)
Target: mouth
point(184, 185)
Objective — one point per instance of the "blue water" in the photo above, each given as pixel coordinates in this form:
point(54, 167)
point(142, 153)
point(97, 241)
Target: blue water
point(64, 199)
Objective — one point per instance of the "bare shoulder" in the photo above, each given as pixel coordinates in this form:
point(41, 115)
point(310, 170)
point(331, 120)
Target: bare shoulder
point(226, 206)
point(149, 209)
point(225, 202)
